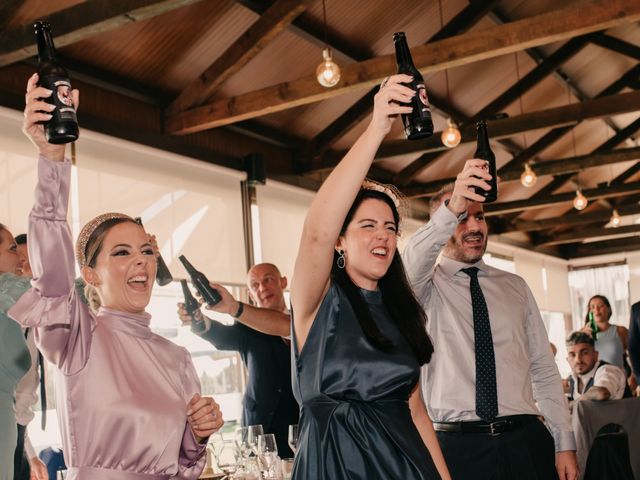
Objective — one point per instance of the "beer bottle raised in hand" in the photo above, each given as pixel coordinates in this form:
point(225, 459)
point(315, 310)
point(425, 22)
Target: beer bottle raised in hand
point(484, 152)
point(201, 283)
point(63, 125)
point(192, 307)
point(163, 275)
point(418, 123)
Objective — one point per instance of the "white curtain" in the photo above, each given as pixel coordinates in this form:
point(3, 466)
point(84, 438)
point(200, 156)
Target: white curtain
point(282, 209)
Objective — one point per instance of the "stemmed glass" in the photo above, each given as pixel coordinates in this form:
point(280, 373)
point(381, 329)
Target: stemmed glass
point(268, 451)
point(253, 432)
point(242, 442)
point(227, 459)
point(292, 438)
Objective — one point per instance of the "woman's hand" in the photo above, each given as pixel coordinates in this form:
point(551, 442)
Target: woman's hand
point(204, 417)
point(36, 110)
point(387, 102)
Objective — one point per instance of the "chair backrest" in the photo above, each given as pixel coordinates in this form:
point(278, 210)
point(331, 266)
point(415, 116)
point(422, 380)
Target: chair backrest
point(589, 417)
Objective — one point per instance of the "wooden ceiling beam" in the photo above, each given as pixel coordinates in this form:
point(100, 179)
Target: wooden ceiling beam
point(260, 34)
point(569, 220)
point(558, 198)
point(580, 18)
point(559, 116)
point(575, 164)
point(593, 232)
point(82, 21)
point(550, 167)
point(629, 244)
point(617, 45)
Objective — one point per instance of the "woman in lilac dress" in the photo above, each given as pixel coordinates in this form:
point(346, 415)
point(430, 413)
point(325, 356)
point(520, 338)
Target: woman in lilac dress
point(128, 400)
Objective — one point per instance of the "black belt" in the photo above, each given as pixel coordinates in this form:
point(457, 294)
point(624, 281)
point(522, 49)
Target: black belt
point(498, 426)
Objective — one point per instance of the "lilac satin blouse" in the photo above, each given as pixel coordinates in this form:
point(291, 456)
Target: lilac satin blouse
point(122, 391)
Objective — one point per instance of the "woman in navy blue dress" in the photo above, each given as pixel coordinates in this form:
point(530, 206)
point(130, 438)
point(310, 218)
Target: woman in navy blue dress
point(359, 334)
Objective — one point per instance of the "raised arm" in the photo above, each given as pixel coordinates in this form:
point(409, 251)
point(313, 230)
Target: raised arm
point(63, 322)
point(331, 205)
point(422, 250)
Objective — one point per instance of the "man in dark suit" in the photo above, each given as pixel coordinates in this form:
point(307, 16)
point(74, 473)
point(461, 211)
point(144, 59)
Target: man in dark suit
point(268, 400)
point(634, 343)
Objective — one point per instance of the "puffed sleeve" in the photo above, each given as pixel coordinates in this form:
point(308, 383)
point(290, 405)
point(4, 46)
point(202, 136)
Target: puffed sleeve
point(192, 457)
point(63, 323)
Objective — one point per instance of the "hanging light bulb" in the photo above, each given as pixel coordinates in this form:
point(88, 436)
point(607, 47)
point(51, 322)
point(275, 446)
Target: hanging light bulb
point(328, 72)
point(451, 135)
point(528, 177)
point(580, 202)
point(615, 219)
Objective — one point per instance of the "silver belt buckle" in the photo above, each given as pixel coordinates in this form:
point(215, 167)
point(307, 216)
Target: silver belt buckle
point(495, 425)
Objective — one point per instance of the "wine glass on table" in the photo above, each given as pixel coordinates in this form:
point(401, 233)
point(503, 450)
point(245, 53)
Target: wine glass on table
point(227, 459)
point(292, 438)
point(253, 432)
point(268, 453)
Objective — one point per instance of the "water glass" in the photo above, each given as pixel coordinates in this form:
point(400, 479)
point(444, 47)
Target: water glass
point(287, 468)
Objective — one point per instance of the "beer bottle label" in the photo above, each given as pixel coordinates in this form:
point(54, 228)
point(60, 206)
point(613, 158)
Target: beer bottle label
point(422, 94)
point(61, 97)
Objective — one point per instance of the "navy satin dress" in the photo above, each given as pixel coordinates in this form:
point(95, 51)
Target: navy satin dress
point(355, 419)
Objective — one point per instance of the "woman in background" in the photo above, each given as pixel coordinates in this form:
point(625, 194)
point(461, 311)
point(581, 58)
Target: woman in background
point(129, 400)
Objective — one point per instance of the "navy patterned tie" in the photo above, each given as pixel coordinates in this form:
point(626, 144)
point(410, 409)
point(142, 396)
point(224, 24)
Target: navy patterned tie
point(486, 390)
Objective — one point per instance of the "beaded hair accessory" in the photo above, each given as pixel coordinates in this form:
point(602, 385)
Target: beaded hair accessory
point(87, 231)
point(390, 191)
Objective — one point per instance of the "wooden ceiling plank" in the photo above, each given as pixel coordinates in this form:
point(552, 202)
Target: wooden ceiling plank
point(617, 45)
point(260, 34)
point(580, 18)
point(82, 21)
point(314, 32)
point(8, 9)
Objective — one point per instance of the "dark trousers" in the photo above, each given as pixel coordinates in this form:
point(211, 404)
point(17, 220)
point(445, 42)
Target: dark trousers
point(526, 453)
point(21, 470)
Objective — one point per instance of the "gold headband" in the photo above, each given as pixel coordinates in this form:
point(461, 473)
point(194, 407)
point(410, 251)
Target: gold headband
point(389, 190)
point(87, 231)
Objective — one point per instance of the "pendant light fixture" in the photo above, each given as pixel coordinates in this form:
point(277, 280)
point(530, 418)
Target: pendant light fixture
point(528, 178)
point(580, 202)
point(615, 219)
point(451, 135)
point(328, 72)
